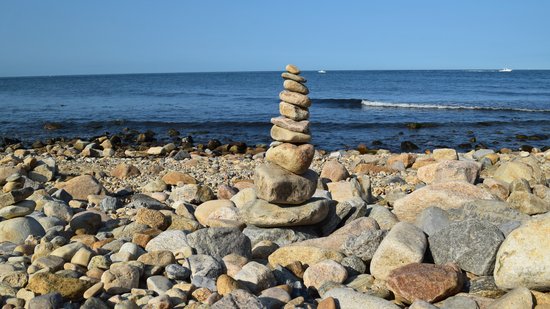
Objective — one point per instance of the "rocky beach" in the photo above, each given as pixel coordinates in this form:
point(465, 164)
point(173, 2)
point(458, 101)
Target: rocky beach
point(100, 223)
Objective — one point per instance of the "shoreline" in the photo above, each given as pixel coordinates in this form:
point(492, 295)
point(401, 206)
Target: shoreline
point(138, 199)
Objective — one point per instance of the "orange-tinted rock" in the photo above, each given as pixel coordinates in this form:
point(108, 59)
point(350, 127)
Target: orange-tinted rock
point(369, 168)
point(428, 282)
point(173, 178)
point(124, 170)
point(335, 171)
point(82, 186)
point(406, 158)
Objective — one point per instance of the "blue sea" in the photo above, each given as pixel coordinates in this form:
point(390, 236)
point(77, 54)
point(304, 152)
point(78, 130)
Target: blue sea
point(458, 108)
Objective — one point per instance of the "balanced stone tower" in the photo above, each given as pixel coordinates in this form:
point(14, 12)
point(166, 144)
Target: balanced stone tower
point(285, 184)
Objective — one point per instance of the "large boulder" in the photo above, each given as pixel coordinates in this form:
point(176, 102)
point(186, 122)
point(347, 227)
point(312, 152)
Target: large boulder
point(81, 186)
point(446, 195)
point(449, 170)
point(522, 259)
point(472, 244)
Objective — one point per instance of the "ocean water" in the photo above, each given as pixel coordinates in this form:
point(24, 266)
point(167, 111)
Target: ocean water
point(454, 108)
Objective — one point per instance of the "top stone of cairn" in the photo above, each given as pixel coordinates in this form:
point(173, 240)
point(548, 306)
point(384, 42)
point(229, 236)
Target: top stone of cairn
point(290, 68)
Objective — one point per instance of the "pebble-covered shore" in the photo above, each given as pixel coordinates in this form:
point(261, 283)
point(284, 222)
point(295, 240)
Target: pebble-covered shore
point(93, 225)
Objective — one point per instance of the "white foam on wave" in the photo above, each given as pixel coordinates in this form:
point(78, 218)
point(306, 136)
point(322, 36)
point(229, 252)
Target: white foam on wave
point(449, 107)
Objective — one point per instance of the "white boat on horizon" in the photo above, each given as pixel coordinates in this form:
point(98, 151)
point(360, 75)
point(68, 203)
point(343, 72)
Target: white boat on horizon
point(321, 71)
point(505, 70)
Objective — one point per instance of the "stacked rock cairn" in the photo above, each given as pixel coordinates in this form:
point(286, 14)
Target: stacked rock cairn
point(285, 184)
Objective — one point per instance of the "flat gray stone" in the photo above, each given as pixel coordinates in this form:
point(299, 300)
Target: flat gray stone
point(432, 219)
point(264, 214)
point(280, 236)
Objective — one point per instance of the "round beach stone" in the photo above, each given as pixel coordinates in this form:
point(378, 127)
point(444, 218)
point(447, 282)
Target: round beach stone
point(295, 98)
point(294, 77)
point(522, 259)
point(213, 210)
point(291, 68)
point(324, 271)
point(21, 209)
point(334, 171)
point(16, 230)
point(428, 282)
point(293, 112)
point(264, 214)
point(277, 185)
point(255, 277)
point(295, 158)
point(292, 125)
point(120, 278)
point(294, 86)
point(404, 244)
point(287, 136)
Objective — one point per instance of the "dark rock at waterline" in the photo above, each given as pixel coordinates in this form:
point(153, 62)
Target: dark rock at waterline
point(51, 126)
point(37, 144)
point(148, 136)
point(237, 147)
point(377, 143)
point(213, 144)
point(472, 140)
point(545, 148)
point(414, 125)
point(173, 133)
point(408, 146)
point(527, 148)
point(537, 137)
point(6, 141)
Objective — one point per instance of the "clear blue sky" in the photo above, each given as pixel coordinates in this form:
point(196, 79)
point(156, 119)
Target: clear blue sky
point(40, 37)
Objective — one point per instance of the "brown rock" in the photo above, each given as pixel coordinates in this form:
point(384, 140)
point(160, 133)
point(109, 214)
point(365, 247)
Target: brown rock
point(370, 169)
point(124, 170)
point(327, 303)
point(226, 284)
point(427, 282)
point(293, 112)
point(226, 192)
point(287, 136)
point(334, 171)
point(295, 98)
point(295, 158)
point(291, 125)
point(152, 218)
point(157, 258)
point(82, 186)
point(70, 288)
point(406, 158)
point(294, 86)
point(294, 77)
point(142, 238)
point(291, 68)
point(173, 178)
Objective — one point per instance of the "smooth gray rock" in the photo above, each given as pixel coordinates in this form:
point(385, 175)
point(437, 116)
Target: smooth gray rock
point(89, 221)
point(46, 301)
point(383, 216)
point(144, 201)
point(159, 284)
point(177, 272)
point(432, 219)
point(220, 241)
point(353, 265)
point(472, 244)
